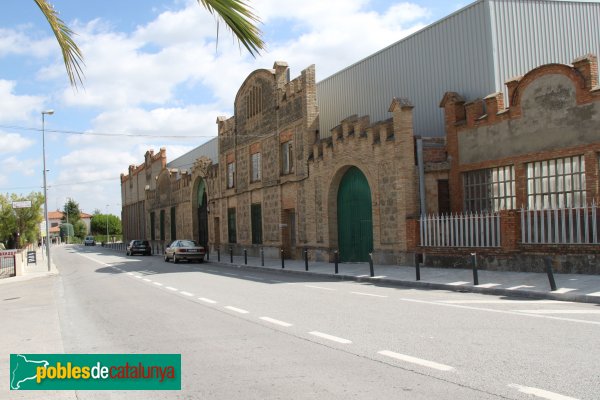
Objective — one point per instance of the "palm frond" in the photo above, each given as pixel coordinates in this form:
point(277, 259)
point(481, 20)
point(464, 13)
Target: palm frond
point(238, 16)
point(72, 56)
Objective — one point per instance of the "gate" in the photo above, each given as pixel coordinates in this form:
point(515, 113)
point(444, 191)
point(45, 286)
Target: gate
point(355, 221)
point(7, 264)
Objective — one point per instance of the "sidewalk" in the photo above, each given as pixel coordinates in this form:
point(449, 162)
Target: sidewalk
point(570, 287)
point(31, 271)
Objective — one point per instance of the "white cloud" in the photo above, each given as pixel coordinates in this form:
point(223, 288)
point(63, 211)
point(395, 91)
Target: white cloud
point(18, 42)
point(13, 143)
point(27, 167)
point(17, 107)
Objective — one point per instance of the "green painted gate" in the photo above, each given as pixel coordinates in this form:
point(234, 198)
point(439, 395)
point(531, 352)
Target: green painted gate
point(355, 221)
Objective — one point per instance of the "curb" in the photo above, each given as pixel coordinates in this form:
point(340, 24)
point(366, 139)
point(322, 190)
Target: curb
point(528, 294)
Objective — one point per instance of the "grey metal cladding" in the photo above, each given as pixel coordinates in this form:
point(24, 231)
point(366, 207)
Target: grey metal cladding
point(473, 51)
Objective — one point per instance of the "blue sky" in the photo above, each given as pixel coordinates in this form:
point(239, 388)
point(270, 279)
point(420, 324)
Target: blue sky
point(153, 74)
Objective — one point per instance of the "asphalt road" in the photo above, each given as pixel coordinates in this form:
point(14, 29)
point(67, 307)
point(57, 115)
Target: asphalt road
point(246, 334)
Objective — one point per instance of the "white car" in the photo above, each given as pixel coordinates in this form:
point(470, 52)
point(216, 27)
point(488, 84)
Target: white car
point(89, 241)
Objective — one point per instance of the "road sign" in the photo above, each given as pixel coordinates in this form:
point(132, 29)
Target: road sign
point(21, 204)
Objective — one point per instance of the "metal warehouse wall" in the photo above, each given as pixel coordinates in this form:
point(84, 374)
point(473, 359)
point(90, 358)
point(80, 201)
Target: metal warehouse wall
point(473, 52)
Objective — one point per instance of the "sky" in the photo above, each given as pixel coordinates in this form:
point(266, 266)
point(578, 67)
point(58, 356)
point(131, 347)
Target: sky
point(156, 76)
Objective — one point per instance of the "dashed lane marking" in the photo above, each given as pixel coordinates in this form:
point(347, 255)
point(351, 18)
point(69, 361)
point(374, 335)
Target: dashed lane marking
point(330, 337)
point(559, 311)
point(157, 283)
point(187, 293)
point(318, 287)
point(595, 294)
point(380, 277)
point(488, 285)
point(521, 287)
point(237, 310)
point(276, 322)
point(458, 283)
point(368, 294)
point(502, 302)
point(415, 360)
point(204, 299)
point(563, 290)
point(171, 288)
point(540, 392)
point(147, 280)
point(137, 276)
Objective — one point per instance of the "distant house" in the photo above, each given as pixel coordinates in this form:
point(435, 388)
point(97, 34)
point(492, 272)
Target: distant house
point(55, 219)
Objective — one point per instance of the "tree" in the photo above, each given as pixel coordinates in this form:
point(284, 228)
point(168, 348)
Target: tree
point(19, 226)
point(71, 211)
point(99, 224)
point(236, 14)
point(80, 229)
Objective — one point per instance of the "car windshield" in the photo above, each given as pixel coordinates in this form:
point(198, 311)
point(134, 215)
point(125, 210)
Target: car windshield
point(188, 243)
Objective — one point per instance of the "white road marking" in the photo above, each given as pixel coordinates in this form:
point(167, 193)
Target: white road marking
point(540, 393)
point(581, 321)
point(171, 288)
point(503, 302)
point(488, 285)
point(147, 280)
point(380, 276)
point(186, 293)
point(415, 360)
point(137, 276)
point(204, 299)
point(276, 321)
point(563, 290)
point(560, 311)
point(319, 287)
point(157, 283)
point(596, 294)
point(368, 294)
point(520, 287)
point(330, 337)
point(458, 283)
point(362, 276)
point(238, 310)
point(130, 273)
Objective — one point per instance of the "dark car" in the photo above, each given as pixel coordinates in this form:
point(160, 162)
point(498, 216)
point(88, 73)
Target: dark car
point(184, 250)
point(139, 247)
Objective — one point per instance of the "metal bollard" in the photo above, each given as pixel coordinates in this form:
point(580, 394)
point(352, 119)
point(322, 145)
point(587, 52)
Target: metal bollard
point(218, 254)
point(231, 254)
point(548, 262)
point(418, 266)
point(336, 260)
point(475, 276)
point(371, 269)
point(282, 260)
point(305, 259)
point(262, 257)
point(245, 257)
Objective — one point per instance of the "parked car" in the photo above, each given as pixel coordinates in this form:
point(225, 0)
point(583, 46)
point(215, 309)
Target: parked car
point(89, 241)
point(184, 250)
point(139, 247)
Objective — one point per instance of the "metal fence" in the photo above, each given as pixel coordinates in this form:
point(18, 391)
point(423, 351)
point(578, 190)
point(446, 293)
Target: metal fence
point(460, 230)
point(7, 265)
point(577, 225)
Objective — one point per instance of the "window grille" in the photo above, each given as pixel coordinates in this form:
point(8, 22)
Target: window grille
point(556, 183)
point(490, 189)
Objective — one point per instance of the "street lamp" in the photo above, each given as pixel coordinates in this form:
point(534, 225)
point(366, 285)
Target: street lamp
point(44, 113)
point(107, 224)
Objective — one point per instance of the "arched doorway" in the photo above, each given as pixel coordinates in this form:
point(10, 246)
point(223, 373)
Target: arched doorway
point(202, 214)
point(355, 221)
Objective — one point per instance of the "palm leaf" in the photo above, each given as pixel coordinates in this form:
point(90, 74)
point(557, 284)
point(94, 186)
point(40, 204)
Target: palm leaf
point(240, 19)
point(72, 56)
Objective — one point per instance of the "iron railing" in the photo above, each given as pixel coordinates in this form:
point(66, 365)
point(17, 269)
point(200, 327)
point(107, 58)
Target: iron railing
point(460, 230)
point(576, 225)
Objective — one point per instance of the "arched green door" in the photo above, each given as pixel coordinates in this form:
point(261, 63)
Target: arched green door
point(355, 221)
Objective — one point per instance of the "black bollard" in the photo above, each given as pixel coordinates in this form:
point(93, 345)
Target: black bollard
point(336, 260)
point(282, 260)
point(550, 273)
point(418, 266)
point(218, 254)
point(372, 271)
point(475, 276)
point(262, 257)
point(231, 254)
point(245, 257)
point(305, 259)
point(207, 253)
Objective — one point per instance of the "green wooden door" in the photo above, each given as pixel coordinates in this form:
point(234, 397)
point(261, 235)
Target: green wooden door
point(355, 221)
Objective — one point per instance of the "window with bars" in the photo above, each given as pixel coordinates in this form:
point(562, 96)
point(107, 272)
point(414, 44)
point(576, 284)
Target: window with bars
point(230, 175)
point(287, 159)
point(556, 183)
point(490, 189)
point(231, 232)
point(256, 168)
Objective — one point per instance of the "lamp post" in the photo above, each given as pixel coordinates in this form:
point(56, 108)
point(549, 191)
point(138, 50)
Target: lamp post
point(107, 223)
point(44, 113)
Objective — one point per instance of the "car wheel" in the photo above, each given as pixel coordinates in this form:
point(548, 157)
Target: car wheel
point(127, 253)
point(201, 260)
point(175, 260)
point(166, 258)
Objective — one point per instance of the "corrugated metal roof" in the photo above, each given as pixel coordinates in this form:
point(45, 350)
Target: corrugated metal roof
point(209, 149)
